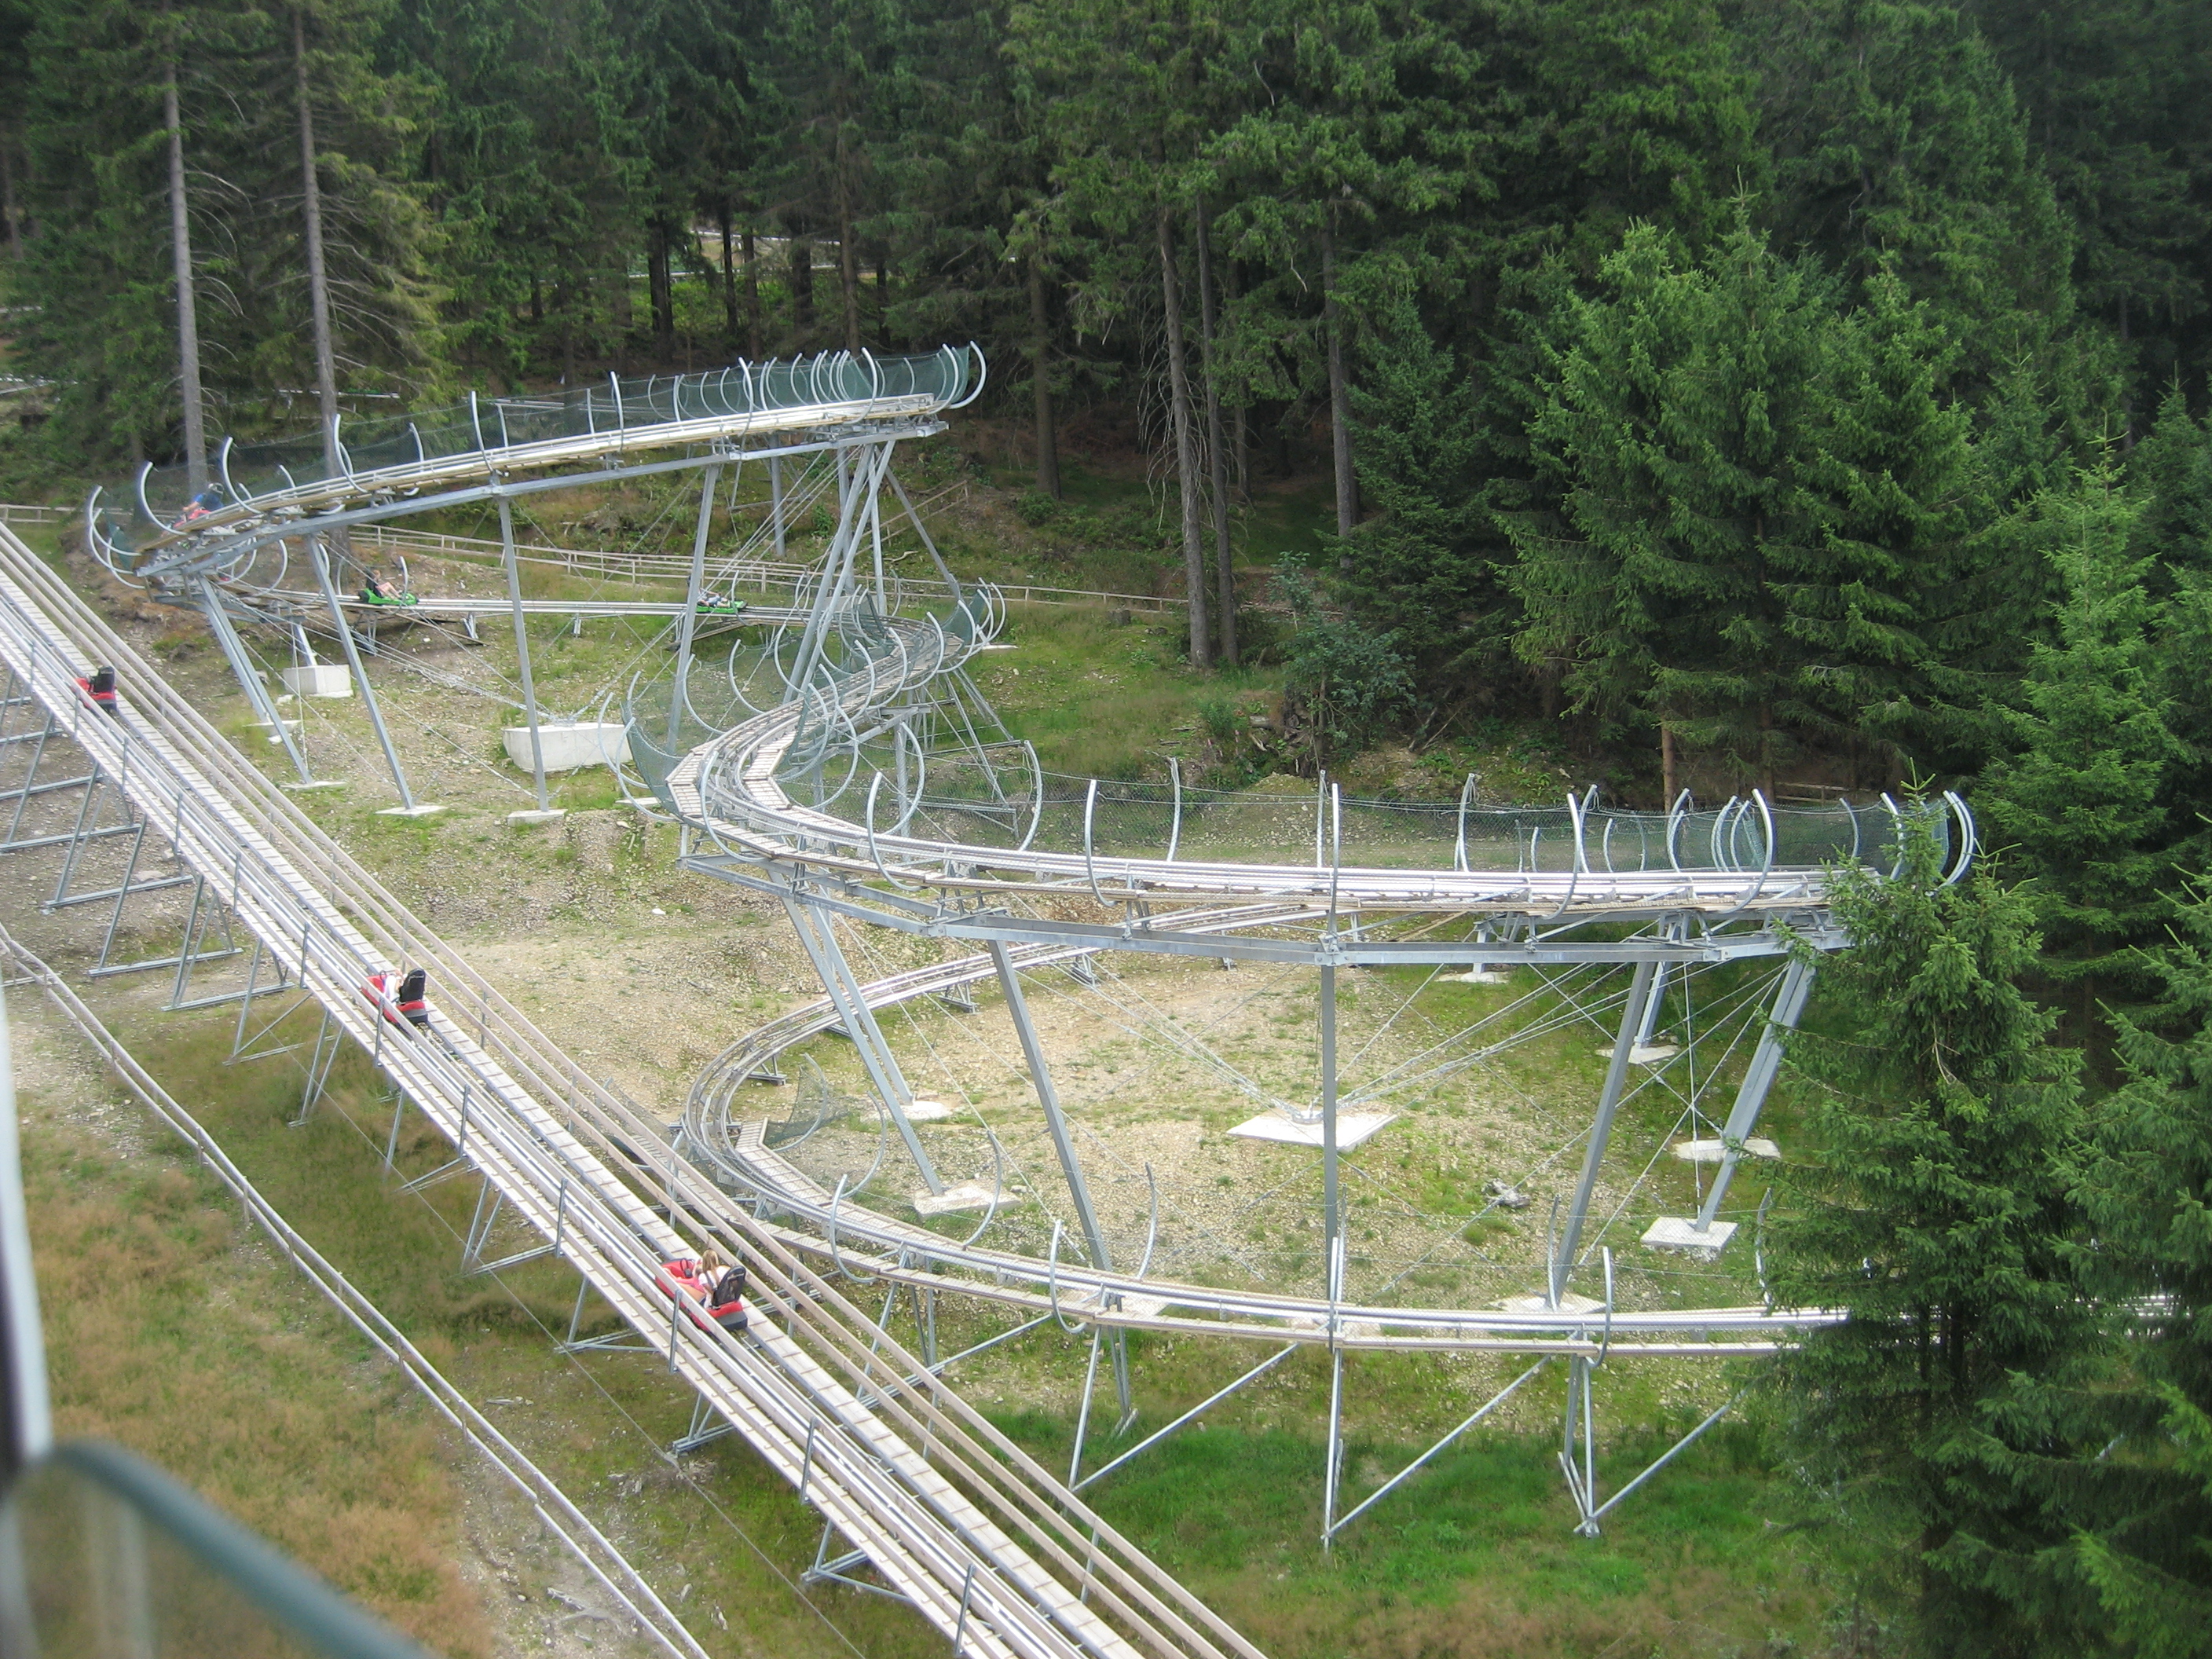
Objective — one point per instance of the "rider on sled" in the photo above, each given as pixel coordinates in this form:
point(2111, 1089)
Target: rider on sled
point(375, 591)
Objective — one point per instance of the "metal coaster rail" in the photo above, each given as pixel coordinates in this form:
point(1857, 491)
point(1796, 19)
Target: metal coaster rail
point(957, 1519)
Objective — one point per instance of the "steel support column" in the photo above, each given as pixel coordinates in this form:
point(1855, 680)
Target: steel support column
point(241, 668)
point(522, 650)
point(319, 557)
point(1616, 1078)
point(1757, 1078)
point(1063, 1145)
point(818, 933)
point(693, 592)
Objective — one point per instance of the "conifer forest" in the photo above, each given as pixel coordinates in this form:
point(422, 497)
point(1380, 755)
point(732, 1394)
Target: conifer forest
point(1709, 395)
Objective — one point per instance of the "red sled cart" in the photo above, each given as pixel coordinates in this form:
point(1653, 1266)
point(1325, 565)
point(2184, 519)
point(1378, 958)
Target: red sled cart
point(716, 1293)
point(400, 998)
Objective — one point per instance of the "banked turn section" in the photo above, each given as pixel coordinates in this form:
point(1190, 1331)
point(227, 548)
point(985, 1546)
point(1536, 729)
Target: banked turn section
point(992, 1549)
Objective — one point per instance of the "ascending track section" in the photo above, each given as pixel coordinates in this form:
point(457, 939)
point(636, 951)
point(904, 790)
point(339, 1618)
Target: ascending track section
point(957, 1519)
point(264, 535)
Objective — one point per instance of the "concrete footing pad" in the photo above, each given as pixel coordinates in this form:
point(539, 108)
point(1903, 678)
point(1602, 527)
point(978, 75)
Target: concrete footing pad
point(1675, 1232)
point(1351, 1128)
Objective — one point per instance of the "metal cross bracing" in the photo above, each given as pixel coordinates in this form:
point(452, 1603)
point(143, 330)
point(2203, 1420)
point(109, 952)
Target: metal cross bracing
point(952, 1516)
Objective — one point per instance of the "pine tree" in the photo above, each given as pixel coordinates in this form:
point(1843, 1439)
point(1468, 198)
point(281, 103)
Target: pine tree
point(2120, 109)
point(1899, 145)
point(1686, 429)
point(1422, 566)
point(1935, 1215)
point(2080, 802)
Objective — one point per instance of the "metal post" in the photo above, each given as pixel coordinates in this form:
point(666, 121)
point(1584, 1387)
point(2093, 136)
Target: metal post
point(522, 649)
point(1616, 1077)
point(1329, 1219)
point(1652, 1005)
point(319, 556)
point(775, 501)
point(1064, 1146)
point(1332, 1475)
point(1757, 1078)
point(1049, 1098)
point(692, 595)
point(248, 682)
point(123, 893)
point(859, 1023)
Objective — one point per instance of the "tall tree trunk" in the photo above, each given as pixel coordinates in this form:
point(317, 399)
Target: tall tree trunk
point(9, 215)
point(1240, 435)
point(1669, 770)
point(318, 286)
point(849, 263)
point(752, 295)
point(729, 273)
point(1048, 434)
point(1339, 418)
point(802, 287)
point(660, 290)
point(188, 324)
point(1186, 443)
point(1224, 567)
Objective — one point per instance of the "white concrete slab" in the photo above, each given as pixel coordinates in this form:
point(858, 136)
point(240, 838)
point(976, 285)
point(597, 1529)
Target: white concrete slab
point(419, 809)
point(325, 679)
point(1569, 1303)
point(1712, 1151)
point(531, 816)
point(1479, 976)
point(569, 746)
point(1675, 1232)
point(927, 1111)
point(1351, 1128)
point(968, 1196)
point(1644, 1054)
point(1143, 1307)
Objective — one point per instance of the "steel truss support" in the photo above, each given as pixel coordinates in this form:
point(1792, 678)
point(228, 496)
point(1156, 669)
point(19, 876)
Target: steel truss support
point(704, 1430)
point(1758, 1079)
point(1078, 1190)
point(1331, 1530)
point(837, 1570)
point(327, 1038)
point(249, 678)
point(1616, 1078)
point(819, 935)
point(621, 1340)
point(694, 592)
point(319, 556)
point(1578, 1447)
point(522, 648)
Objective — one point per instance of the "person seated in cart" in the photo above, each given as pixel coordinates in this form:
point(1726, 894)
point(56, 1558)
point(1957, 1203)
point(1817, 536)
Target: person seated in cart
point(407, 1002)
point(199, 506)
point(100, 686)
point(376, 591)
point(718, 1286)
point(720, 605)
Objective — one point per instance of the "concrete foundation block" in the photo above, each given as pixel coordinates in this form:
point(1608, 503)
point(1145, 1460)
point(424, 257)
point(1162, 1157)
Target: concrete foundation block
point(570, 746)
point(325, 679)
